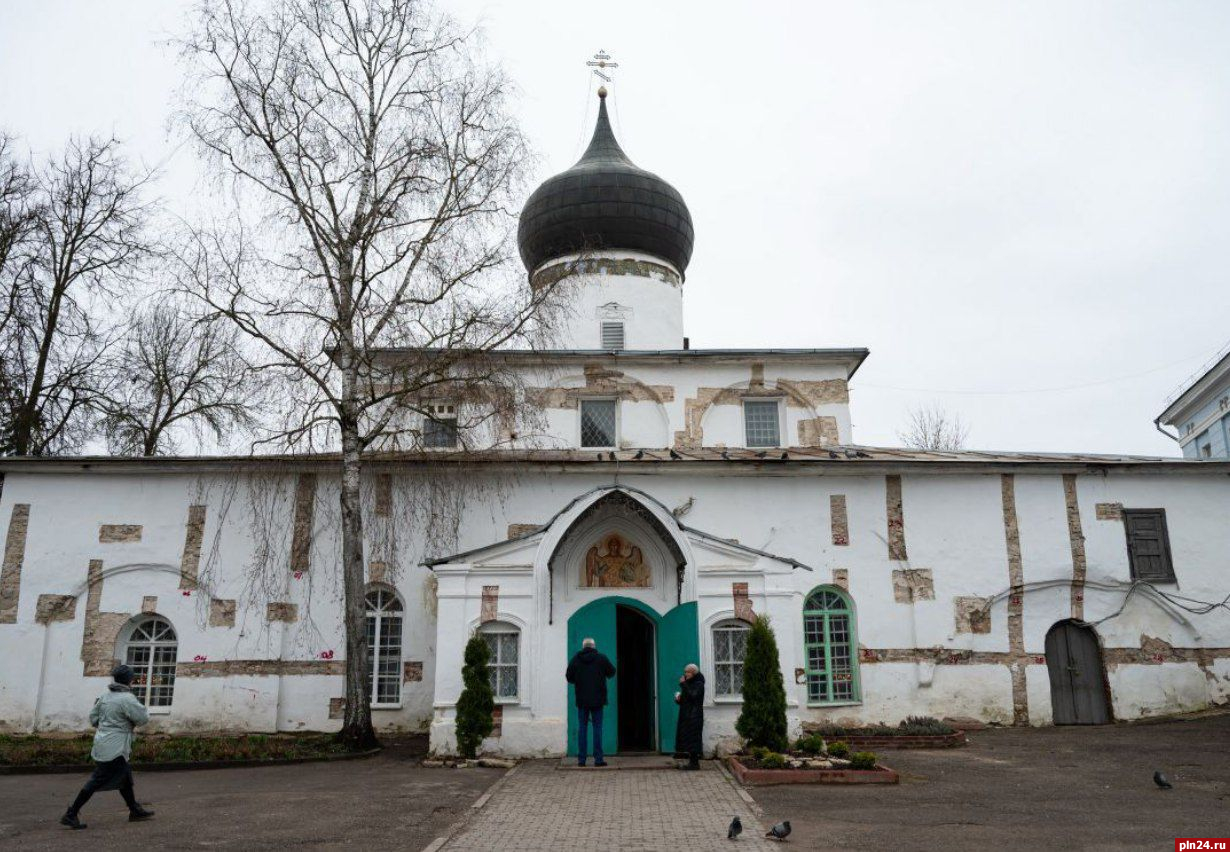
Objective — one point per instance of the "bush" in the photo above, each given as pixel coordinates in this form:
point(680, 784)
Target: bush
point(839, 749)
point(813, 744)
point(759, 752)
point(923, 726)
point(773, 760)
point(863, 760)
point(477, 701)
point(762, 721)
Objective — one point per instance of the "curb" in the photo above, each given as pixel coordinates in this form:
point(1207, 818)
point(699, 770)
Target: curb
point(452, 831)
point(180, 766)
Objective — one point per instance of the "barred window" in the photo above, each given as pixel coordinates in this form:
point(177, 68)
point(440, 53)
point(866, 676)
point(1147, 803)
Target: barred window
point(760, 423)
point(829, 640)
point(598, 423)
point(729, 650)
point(504, 640)
point(150, 650)
point(384, 615)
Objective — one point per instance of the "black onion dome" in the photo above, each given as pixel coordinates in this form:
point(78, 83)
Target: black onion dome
point(605, 201)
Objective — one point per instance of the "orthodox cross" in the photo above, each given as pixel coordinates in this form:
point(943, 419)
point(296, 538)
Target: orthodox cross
point(601, 62)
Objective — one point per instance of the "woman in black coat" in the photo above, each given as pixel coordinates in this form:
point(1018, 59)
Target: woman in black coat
point(691, 701)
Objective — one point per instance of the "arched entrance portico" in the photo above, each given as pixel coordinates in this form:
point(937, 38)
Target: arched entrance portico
point(675, 643)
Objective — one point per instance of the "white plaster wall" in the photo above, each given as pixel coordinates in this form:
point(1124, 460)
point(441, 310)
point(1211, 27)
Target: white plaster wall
point(953, 526)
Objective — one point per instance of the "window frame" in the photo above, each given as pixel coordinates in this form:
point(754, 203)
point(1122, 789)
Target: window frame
point(446, 419)
point(614, 401)
point(143, 673)
point(603, 325)
point(728, 625)
point(502, 628)
point(381, 614)
point(826, 615)
point(1166, 555)
point(776, 403)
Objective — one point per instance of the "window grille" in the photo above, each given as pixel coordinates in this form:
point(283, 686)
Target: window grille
point(829, 642)
point(384, 616)
point(760, 423)
point(598, 423)
point(440, 426)
point(729, 651)
point(150, 651)
point(612, 335)
point(504, 665)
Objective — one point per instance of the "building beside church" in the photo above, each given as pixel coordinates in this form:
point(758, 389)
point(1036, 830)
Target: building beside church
point(674, 495)
point(1200, 413)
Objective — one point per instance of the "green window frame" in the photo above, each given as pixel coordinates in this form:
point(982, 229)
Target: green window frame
point(830, 642)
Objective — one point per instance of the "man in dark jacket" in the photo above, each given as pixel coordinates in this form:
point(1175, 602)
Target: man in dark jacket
point(691, 701)
point(588, 672)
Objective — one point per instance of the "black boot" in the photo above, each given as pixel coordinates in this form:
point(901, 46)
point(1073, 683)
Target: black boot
point(70, 819)
point(139, 813)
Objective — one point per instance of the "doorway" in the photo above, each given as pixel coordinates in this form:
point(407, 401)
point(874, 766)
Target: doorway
point(1078, 679)
point(634, 648)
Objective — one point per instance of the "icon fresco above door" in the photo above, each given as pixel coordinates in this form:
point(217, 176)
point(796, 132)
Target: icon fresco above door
point(616, 563)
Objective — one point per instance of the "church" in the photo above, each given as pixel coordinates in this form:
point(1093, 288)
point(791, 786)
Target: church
point(673, 496)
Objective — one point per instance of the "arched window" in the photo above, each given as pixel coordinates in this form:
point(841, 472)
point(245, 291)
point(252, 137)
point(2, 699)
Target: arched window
point(830, 642)
point(150, 649)
point(384, 614)
point(729, 650)
point(505, 663)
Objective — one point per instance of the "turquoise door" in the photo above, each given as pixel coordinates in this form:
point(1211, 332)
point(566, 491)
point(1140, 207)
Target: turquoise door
point(678, 643)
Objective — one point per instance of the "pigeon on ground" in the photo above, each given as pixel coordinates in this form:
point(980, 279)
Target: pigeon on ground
point(736, 828)
point(780, 831)
point(1160, 780)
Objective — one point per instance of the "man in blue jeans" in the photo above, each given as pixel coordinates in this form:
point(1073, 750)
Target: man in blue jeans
point(588, 672)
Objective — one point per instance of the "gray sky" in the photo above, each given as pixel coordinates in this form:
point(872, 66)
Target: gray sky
point(1019, 207)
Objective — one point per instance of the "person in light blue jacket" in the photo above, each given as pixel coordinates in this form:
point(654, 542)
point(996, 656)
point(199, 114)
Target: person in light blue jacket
point(116, 712)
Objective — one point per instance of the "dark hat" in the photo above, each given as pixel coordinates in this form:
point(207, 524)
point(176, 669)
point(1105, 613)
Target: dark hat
point(122, 674)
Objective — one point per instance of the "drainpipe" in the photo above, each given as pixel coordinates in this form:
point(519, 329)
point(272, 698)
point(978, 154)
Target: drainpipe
point(1158, 426)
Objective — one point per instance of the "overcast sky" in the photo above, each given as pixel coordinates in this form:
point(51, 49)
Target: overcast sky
point(1021, 208)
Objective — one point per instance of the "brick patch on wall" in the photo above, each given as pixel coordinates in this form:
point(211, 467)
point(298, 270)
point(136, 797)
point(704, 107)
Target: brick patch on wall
point(149, 604)
point(301, 536)
point(1016, 599)
point(119, 533)
point(412, 672)
point(742, 603)
point(337, 708)
point(819, 432)
point(497, 718)
point(384, 495)
point(102, 629)
point(221, 613)
point(913, 584)
point(1076, 539)
point(194, 537)
point(838, 520)
point(55, 608)
point(491, 604)
point(14, 557)
point(377, 572)
point(282, 611)
point(518, 530)
point(260, 668)
point(896, 518)
point(841, 578)
point(973, 614)
point(1109, 511)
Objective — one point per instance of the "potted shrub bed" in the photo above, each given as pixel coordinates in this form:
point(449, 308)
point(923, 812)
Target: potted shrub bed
point(811, 761)
point(914, 732)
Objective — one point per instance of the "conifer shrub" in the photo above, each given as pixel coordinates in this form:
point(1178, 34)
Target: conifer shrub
point(477, 702)
point(863, 760)
point(811, 744)
point(839, 750)
point(762, 721)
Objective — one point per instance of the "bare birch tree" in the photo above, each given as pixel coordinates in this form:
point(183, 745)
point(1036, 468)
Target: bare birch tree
point(930, 427)
point(376, 168)
point(174, 374)
point(89, 234)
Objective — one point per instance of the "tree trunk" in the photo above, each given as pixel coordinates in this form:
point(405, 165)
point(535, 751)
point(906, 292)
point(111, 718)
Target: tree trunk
point(357, 731)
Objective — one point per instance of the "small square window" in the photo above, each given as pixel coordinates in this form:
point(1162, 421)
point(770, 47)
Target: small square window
point(1206, 451)
point(612, 335)
point(598, 423)
point(440, 426)
point(760, 422)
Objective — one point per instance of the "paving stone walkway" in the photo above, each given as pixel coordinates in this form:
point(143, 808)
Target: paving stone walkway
point(540, 807)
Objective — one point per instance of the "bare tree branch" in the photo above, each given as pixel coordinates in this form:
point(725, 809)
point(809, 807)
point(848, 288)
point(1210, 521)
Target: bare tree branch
point(933, 428)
